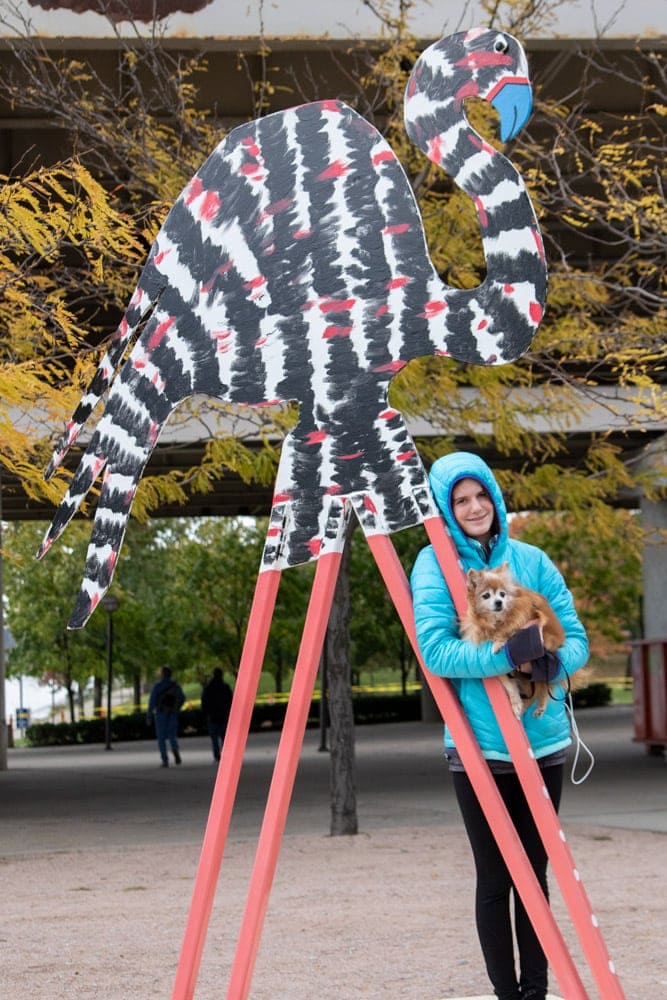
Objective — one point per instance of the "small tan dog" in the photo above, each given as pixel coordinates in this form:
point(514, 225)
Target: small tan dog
point(497, 608)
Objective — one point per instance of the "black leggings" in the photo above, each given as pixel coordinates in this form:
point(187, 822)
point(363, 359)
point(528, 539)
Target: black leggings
point(492, 897)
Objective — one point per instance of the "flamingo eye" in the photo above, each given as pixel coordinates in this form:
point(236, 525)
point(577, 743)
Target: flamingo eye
point(501, 44)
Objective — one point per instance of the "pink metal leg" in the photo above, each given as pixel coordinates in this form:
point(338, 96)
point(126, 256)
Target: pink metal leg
point(477, 769)
point(226, 784)
point(544, 814)
point(284, 773)
point(553, 838)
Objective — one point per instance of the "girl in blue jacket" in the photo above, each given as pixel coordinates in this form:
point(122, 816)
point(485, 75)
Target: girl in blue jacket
point(474, 510)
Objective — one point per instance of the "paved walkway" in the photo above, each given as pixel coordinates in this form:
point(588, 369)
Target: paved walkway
point(101, 847)
point(88, 797)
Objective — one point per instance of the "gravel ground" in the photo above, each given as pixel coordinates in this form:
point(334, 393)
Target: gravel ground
point(385, 914)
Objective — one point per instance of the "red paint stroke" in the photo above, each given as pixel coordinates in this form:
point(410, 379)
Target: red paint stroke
point(477, 60)
point(404, 456)
point(538, 243)
point(397, 230)
point(369, 505)
point(397, 282)
point(469, 89)
point(391, 366)
point(255, 282)
point(314, 437)
point(121, 332)
point(508, 289)
point(223, 269)
point(276, 208)
point(481, 213)
point(210, 206)
point(334, 170)
point(351, 456)
point(381, 310)
point(432, 308)
point(337, 305)
point(412, 85)
point(483, 323)
point(250, 145)
point(434, 150)
point(388, 414)
point(160, 333)
point(536, 312)
point(382, 157)
point(336, 331)
point(159, 257)
point(194, 189)
point(301, 234)
point(281, 498)
point(480, 144)
point(315, 544)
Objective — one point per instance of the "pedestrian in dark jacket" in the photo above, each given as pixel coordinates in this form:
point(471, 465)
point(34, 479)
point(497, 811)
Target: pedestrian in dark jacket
point(164, 704)
point(474, 510)
point(216, 702)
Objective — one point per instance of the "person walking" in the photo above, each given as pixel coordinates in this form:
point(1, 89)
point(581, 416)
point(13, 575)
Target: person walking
point(165, 702)
point(473, 507)
point(216, 702)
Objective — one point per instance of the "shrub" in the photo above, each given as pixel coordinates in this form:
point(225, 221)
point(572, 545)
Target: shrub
point(368, 709)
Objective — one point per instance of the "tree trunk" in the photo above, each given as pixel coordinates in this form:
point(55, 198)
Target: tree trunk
point(136, 687)
point(343, 790)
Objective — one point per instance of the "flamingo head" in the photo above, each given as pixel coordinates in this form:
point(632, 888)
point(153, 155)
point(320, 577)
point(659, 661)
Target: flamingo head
point(481, 63)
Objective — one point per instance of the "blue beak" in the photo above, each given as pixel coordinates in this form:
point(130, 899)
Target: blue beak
point(514, 103)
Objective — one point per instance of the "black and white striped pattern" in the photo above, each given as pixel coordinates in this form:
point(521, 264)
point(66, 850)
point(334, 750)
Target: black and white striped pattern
point(294, 267)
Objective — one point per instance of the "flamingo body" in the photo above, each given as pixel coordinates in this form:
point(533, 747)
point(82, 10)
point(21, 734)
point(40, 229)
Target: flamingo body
point(294, 266)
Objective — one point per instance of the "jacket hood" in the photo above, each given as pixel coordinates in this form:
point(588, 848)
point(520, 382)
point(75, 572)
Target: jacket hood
point(445, 473)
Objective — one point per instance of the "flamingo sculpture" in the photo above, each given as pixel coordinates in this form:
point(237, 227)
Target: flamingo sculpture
point(293, 266)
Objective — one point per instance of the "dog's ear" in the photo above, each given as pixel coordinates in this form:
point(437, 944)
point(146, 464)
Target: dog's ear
point(471, 580)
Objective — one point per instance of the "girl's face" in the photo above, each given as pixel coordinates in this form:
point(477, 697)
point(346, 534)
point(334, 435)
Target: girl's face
point(473, 509)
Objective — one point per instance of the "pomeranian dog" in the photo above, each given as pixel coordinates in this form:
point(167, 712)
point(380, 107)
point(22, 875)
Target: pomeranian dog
point(497, 608)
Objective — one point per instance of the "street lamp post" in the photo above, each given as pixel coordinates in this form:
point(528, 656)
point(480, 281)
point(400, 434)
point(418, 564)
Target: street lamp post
point(110, 604)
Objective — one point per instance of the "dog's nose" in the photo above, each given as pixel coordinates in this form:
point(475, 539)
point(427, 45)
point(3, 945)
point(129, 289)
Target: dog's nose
point(497, 604)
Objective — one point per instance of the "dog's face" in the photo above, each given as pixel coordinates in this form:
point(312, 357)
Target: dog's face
point(490, 592)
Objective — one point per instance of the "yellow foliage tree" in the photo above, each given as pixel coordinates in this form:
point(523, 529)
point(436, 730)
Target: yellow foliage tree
point(596, 188)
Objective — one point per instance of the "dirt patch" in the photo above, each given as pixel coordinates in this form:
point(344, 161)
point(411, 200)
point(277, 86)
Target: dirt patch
point(380, 916)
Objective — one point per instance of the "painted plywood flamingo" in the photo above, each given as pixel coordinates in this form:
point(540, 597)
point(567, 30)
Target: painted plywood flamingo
point(294, 266)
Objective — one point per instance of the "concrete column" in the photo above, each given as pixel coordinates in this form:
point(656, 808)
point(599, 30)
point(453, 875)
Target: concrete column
point(654, 568)
point(654, 561)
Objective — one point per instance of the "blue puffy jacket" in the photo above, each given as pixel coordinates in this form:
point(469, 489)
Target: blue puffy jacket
point(436, 622)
